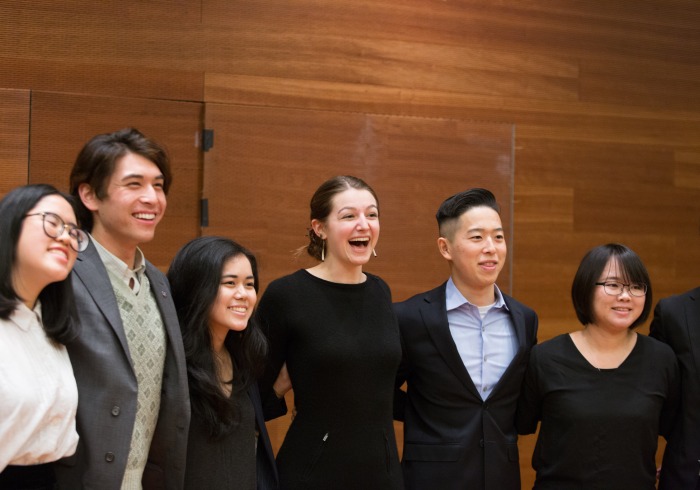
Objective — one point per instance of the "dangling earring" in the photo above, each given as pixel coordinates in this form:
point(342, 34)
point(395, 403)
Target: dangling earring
point(374, 252)
point(323, 250)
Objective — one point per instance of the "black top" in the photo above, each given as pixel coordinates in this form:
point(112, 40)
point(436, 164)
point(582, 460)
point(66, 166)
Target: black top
point(599, 427)
point(342, 348)
point(225, 463)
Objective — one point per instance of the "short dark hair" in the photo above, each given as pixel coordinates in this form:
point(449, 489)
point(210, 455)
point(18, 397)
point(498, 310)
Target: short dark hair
point(97, 160)
point(322, 204)
point(455, 206)
point(590, 269)
point(195, 276)
point(59, 316)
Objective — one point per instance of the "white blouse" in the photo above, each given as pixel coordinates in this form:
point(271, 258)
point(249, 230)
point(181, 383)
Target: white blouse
point(38, 394)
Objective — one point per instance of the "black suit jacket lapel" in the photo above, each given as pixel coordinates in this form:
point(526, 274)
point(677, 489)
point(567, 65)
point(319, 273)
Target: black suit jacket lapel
point(691, 311)
point(434, 315)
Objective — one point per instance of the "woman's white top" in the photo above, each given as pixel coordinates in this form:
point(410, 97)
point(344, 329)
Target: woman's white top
point(38, 394)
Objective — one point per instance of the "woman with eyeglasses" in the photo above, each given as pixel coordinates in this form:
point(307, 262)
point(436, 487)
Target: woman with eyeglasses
point(39, 242)
point(602, 394)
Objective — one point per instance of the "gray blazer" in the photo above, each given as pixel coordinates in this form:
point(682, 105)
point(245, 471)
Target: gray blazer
point(107, 388)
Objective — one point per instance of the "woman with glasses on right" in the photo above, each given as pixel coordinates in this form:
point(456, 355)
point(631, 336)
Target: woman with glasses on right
point(603, 394)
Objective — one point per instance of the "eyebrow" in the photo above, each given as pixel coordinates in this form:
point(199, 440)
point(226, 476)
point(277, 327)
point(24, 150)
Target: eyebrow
point(140, 176)
point(482, 229)
point(235, 276)
point(354, 208)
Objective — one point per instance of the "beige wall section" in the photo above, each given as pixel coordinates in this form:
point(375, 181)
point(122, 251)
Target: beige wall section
point(604, 96)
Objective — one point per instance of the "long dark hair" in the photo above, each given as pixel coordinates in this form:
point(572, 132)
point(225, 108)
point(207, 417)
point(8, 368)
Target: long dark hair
point(59, 316)
point(195, 276)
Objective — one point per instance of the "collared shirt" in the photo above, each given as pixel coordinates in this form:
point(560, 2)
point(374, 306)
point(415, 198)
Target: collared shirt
point(38, 393)
point(485, 337)
point(118, 268)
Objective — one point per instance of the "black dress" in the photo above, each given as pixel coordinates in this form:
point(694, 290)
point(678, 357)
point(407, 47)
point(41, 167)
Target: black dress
point(342, 348)
point(225, 463)
point(599, 427)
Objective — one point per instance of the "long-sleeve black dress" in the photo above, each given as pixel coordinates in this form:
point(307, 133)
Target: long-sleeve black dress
point(342, 349)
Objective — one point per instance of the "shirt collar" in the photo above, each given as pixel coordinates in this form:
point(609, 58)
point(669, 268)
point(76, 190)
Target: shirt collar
point(117, 266)
point(24, 318)
point(454, 299)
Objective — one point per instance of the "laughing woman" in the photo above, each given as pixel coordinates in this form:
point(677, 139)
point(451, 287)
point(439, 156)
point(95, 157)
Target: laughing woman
point(39, 242)
point(214, 284)
point(602, 394)
point(333, 328)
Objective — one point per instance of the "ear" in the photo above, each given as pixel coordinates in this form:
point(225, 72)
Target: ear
point(445, 248)
point(318, 227)
point(87, 195)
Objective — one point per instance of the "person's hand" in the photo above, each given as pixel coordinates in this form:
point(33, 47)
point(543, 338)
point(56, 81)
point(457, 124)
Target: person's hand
point(283, 383)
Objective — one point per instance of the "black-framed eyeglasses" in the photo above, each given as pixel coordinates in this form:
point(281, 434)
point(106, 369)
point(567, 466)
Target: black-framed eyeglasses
point(613, 288)
point(54, 227)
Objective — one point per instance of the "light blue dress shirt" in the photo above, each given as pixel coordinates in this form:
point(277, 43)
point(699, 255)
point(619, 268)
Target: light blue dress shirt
point(485, 337)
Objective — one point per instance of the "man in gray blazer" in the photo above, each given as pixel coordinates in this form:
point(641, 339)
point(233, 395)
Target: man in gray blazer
point(677, 323)
point(129, 363)
point(465, 349)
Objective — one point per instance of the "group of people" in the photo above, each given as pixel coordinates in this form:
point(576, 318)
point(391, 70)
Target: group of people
point(116, 376)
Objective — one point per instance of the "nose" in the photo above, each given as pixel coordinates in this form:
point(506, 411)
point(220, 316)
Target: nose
point(489, 245)
point(362, 222)
point(625, 291)
point(149, 193)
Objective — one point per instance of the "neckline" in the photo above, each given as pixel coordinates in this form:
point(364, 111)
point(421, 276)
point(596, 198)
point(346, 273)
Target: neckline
point(337, 284)
point(604, 370)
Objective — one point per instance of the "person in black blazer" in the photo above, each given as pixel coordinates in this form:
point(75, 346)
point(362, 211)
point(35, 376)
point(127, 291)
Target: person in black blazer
point(215, 286)
point(677, 323)
point(465, 349)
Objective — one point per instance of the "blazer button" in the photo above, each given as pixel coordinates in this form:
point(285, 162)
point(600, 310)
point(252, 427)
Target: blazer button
point(109, 457)
point(481, 443)
point(115, 411)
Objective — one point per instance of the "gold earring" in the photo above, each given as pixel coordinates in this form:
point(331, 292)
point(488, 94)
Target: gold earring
point(323, 250)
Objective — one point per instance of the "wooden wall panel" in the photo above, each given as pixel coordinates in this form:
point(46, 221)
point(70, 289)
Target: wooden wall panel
point(61, 124)
point(14, 138)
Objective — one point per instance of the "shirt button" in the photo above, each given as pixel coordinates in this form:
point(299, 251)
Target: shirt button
point(115, 411)
point(109, 457)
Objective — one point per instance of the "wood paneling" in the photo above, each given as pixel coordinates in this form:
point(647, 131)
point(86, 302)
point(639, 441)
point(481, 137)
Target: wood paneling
point(267, 162)
point(604, 97)
point(61, 124)
point(14, 138)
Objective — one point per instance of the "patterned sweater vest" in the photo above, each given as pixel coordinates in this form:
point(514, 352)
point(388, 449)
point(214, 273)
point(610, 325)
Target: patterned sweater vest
point(145, 334)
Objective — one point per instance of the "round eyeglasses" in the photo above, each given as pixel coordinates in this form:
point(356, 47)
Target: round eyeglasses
point(54, 227)
point(613, 288)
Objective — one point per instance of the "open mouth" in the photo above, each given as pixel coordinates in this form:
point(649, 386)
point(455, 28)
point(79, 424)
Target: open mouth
point(238, 309)
point(146, 216)
point(360, 242)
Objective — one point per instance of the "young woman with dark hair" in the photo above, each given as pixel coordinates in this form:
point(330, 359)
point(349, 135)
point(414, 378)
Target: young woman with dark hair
point(214, 284)
point(39, 243)
point(602, 394)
